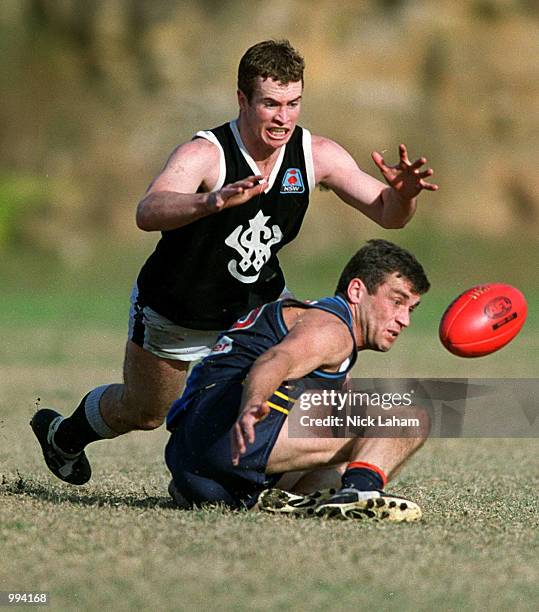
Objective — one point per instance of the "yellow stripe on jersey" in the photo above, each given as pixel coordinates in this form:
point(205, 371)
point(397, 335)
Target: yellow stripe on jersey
point(276, 407)
point(283, 396)
point(280, 395)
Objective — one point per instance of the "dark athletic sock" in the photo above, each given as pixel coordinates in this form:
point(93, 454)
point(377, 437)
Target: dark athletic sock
point(363, 477)
point(74, 433)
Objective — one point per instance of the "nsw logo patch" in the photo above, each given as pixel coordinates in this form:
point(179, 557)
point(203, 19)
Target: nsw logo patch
point(292, 181)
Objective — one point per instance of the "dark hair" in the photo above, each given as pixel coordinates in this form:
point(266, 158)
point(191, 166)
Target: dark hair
point(378, 258)
point(276, 59)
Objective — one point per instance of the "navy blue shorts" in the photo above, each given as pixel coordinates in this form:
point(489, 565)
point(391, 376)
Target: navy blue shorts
point(199, 453)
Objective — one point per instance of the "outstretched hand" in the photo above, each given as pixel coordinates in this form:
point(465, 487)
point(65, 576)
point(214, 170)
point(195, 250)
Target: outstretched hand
point(406, 178)
point(236, 193)
point(244, 429)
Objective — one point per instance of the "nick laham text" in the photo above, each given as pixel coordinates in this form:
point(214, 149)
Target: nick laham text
point(358, 421)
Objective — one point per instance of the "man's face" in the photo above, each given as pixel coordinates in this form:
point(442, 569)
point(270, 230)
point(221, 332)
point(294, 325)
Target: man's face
point(386, 313)
point(272, 113)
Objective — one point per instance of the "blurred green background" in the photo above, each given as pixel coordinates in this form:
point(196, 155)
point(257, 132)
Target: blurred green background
point(96, 94)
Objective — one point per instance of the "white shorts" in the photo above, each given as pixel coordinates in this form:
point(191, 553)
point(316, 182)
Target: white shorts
point(165, 339)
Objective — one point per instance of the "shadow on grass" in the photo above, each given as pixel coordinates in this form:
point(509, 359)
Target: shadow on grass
point(21, 486)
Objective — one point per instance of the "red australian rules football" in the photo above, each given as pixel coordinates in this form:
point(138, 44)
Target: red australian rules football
point(482, 320)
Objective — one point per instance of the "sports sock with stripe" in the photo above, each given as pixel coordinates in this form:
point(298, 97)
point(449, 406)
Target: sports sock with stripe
point(363, 477)
point(85, 425)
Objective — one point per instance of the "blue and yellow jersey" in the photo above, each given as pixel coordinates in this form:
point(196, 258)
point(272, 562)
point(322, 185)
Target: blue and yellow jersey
point(237, 348)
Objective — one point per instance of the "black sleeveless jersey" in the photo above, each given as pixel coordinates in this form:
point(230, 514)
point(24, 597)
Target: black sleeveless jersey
point(208, 273)
point(237, 348)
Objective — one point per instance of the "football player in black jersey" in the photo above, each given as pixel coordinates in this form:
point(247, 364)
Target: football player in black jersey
point(225, 203)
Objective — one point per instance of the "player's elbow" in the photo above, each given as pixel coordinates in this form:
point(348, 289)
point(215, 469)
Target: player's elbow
point(143, 217)
point(142, 223)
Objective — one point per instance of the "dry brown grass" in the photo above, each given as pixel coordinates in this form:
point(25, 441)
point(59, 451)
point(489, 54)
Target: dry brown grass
point(117, 543)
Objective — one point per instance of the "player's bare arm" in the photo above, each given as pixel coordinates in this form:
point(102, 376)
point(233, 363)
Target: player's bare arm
point(172, 200)
point(391, 205)
point(317, 340)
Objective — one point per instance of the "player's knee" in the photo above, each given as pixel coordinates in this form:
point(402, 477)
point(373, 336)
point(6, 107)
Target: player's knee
point(144, 415)
point(422, 416)
point(419, 427)
point(412, 422)
point(149, 422)
point(148, 417)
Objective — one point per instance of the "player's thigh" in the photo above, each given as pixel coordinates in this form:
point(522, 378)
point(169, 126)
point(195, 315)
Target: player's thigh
point(295, 454)
point(151, 382)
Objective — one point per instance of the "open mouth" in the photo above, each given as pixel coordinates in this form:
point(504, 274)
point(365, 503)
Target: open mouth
point(278, 133)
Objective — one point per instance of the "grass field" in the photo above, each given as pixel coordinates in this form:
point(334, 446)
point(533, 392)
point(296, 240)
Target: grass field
point(118, 544)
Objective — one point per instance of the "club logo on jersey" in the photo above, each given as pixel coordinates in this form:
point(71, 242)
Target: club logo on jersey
point(248, 319)
point(292, 182)
point(223, 345)
point(254, 245)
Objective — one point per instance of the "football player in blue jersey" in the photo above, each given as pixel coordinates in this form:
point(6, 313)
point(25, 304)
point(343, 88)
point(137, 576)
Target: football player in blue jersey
point(225, 203)
point(244, 391)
